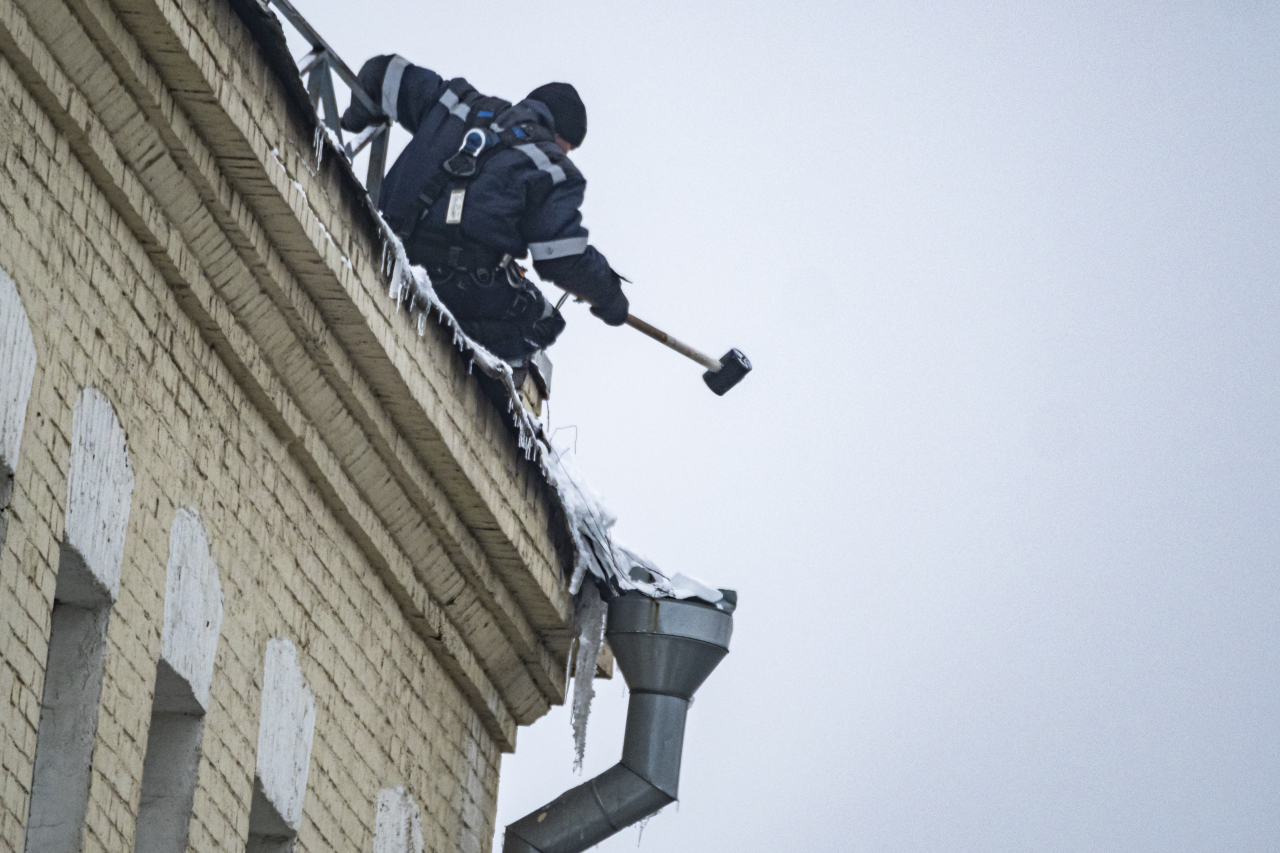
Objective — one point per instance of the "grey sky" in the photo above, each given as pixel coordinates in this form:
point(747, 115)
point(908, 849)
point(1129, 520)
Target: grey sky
point(1000, 495)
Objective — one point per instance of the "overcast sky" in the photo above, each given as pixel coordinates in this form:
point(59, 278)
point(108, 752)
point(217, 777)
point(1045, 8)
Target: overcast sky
point(1000, 497)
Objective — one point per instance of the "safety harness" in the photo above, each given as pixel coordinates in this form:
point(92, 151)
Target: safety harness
point(482, 138)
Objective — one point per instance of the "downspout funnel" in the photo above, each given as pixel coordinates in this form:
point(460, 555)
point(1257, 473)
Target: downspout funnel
point(665, 648)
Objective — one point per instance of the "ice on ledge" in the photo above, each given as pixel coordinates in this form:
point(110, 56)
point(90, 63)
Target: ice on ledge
point(616, 568)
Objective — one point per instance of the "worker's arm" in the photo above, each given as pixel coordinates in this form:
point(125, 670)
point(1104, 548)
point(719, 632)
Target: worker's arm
point(403, 90)
point(590, 277)
point(558, 244)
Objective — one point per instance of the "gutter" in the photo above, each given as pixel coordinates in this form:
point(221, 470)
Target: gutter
point(665, 648)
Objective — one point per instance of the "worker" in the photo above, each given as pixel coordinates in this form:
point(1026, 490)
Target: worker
point(481, 184)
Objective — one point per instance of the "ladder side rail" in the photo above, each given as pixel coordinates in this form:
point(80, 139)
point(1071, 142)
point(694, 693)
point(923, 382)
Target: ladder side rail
point(318, 69)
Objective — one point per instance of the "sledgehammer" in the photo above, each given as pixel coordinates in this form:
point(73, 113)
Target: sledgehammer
point(720, 376)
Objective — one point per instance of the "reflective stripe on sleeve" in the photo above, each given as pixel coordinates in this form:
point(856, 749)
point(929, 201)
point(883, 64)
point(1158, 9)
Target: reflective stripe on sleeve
point(391, 85)
point(540, 159)
point(450, 101)
point(558, 248)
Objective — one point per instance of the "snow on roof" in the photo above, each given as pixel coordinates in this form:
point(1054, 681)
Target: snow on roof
point(615, 568)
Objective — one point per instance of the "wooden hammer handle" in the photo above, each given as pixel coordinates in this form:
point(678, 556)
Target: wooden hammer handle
point(663, 338)
point(658, 335)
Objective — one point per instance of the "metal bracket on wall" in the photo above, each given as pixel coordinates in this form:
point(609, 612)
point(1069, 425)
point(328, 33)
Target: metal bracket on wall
point(318, 68)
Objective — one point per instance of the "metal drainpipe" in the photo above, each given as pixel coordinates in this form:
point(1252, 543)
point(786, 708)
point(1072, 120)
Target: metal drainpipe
point(665, 649)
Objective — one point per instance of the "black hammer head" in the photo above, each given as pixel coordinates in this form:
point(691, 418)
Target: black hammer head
point(733, 366)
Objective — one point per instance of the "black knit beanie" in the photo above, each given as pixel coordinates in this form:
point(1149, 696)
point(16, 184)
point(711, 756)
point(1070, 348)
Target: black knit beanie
point(567, 110)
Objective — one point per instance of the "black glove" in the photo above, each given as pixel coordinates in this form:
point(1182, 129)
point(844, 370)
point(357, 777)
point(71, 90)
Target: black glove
point(613, 310)
point(357, 118)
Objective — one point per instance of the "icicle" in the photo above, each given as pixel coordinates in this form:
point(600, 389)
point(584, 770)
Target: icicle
point(396, 273)
point(568, 661)
point(640, 828)
point(422, 323)
point(318, 144)
point(591, 619)
point(580, 567)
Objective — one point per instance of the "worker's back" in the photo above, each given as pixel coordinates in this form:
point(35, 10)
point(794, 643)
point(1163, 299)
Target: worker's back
point(521, 197)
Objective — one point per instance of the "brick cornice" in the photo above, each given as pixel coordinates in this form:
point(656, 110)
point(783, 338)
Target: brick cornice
point(323, 362)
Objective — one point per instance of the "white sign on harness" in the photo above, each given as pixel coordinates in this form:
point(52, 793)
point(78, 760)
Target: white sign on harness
point(454, 214)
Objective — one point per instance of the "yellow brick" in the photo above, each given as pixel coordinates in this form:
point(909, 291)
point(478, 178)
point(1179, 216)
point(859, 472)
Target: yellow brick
point(128, 277)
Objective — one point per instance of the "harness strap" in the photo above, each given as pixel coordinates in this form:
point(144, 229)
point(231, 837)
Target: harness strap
point(522, 137)
point(463, 101)
point(485, 109)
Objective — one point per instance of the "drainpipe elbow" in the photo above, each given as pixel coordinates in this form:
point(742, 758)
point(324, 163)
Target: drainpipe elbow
point(665, 649)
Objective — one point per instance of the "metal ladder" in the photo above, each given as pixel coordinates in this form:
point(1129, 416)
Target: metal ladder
point(318, 68)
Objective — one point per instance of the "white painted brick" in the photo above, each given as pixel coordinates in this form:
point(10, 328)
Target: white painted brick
point(398, 824)
point(17, 367)
point(285, 731)
point(99, 489)
point(192, 605)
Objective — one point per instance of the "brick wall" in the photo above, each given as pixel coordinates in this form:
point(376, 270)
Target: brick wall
point(145, 288)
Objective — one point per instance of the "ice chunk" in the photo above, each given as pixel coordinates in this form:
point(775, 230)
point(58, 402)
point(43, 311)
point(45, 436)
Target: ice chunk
point(599, 552)
point(591, 612)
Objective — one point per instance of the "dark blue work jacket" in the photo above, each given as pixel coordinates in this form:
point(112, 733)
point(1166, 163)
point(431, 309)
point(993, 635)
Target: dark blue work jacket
point(524, 198)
